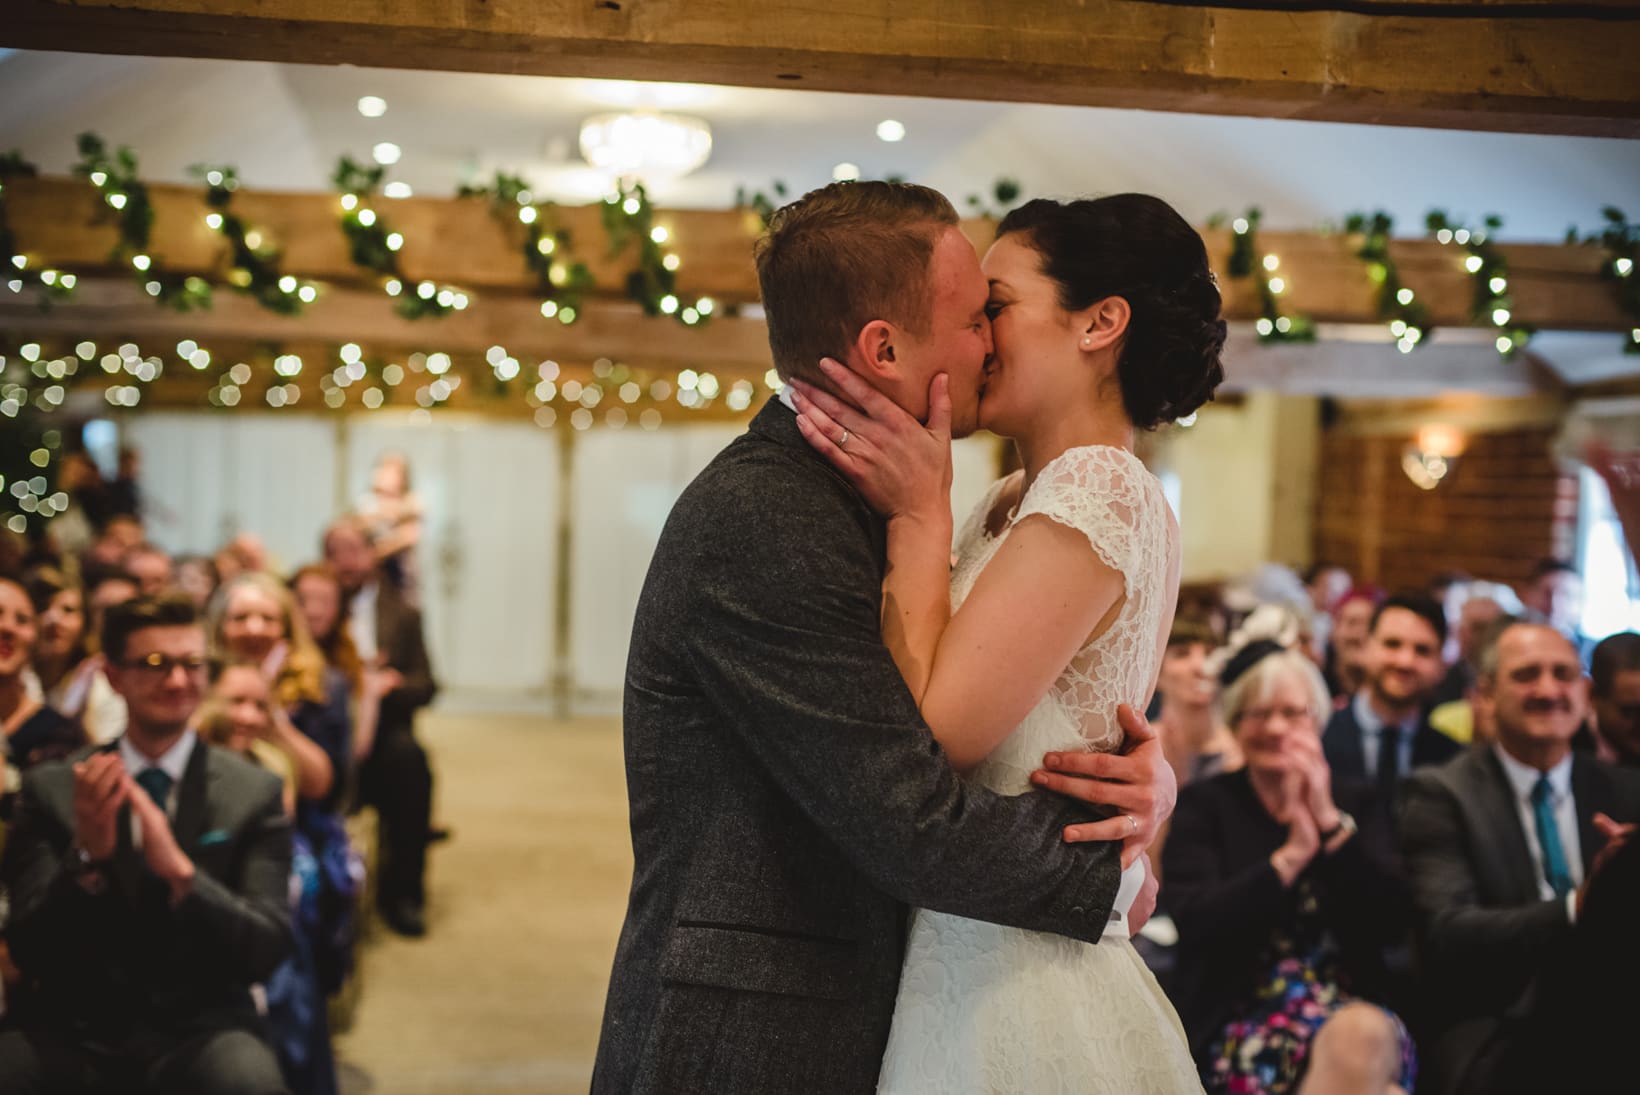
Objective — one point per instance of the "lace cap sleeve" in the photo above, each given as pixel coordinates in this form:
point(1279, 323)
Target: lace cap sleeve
point(1099, 491)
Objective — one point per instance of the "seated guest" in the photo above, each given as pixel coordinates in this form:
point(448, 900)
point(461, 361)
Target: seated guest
point(1553, 595)
point(148, 886)
point(117, 537)
point(1343, 665)
point(104, 589)
point(1480, 605)
point(152, 569)
point(30, 731)
point(70, 677)
point(1498, 842)
point(1615, 668)
point(395, 778)
point(254, 618)
point(1381, 734)
point(1284, 902)
point(1195, 740)
point(240, 715)
point(196, 576)
point(1327, 585)
point(318, 595)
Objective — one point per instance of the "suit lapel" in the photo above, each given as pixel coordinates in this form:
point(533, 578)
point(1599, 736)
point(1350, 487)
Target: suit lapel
point(1348, 759)
point(1502, 818)
point(189, 823)
point(1589, 797)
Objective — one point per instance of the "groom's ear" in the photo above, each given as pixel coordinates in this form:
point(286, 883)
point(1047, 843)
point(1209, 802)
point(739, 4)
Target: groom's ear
point(1104, 324)
point(874, 348)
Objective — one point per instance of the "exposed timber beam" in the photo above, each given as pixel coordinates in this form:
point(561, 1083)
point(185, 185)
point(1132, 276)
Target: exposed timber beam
point(62, 223)
point(1527, 65)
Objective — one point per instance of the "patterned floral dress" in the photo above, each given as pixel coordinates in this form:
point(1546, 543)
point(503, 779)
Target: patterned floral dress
point(1265, 1051)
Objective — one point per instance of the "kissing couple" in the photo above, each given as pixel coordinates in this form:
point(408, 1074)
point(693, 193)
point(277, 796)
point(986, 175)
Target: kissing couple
point(889, 814)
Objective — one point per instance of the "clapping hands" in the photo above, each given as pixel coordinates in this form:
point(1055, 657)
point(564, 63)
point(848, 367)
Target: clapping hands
point(1306, 805)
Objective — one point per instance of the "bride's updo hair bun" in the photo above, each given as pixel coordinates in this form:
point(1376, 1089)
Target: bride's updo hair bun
point(1136, 247)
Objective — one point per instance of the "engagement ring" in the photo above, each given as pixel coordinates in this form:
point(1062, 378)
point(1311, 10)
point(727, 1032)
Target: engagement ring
point(842, 442)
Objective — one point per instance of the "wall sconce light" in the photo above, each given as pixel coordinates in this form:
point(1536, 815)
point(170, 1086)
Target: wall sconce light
point(1431, 457)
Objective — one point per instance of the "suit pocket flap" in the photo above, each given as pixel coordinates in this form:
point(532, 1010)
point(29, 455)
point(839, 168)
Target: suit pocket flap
point(762, 960)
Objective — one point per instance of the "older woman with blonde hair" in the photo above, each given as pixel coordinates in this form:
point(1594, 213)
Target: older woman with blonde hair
point(1284, 904)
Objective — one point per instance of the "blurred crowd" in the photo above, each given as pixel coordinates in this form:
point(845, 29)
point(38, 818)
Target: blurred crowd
point(1401, 858)
point(212, 782)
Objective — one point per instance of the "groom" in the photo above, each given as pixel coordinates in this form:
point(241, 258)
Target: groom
point(788, 802)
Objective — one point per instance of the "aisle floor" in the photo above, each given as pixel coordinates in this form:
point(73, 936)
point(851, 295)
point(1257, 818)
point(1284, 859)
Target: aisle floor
point(506, 992)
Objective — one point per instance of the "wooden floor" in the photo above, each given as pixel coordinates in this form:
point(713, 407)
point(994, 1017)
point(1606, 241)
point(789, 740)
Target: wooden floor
point(525, 902)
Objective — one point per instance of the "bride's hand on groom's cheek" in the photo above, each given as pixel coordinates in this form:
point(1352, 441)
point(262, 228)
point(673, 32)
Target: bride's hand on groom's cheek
point(1138, 782)
point(901, 466)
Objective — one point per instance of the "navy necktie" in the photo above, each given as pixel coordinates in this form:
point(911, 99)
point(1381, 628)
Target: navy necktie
point(1389, 757)
point(157, 782)
point(1555, 871)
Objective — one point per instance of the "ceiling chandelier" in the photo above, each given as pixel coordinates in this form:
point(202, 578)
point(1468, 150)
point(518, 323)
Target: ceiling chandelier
point(646, 145)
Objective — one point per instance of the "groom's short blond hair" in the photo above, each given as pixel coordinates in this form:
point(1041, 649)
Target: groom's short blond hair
point(842, 256)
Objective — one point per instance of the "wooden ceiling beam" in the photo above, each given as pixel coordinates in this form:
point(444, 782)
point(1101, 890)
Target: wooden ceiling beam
point(64, 224)
point(1537, 67)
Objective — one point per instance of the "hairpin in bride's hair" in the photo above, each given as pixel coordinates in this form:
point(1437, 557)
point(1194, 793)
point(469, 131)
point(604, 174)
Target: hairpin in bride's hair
point(1270, 629)
point(1214, 278)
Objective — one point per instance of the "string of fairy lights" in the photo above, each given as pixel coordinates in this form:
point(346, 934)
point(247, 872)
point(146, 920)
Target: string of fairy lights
point(629, 222)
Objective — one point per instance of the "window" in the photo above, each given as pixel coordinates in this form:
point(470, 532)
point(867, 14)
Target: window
point(1611, 585)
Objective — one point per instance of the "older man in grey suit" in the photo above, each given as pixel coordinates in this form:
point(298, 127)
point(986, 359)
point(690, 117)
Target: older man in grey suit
point(787, 801)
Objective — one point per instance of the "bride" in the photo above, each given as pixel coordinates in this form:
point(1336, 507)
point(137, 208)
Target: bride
point(1106, 321)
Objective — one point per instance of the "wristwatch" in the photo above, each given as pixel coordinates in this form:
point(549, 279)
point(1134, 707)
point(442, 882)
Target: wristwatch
point(1346, 824)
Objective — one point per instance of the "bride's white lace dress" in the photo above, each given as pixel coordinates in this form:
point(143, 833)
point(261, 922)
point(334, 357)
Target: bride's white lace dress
point(990, 1009)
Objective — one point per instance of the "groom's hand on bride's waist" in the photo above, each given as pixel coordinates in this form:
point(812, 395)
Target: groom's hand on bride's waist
point(1138, 782)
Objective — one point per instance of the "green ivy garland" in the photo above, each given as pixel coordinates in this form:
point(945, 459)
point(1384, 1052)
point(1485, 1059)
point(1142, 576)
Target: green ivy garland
point(1490, 304)
point(375, 246)
point(1398, 305)
point(52, 284)
point(629, 218)
point(1621, 241)
point(115, 177)
point(760, 204)
point(547, 249)
point(1246, 260)
point(255, 270)
point(1004, 195)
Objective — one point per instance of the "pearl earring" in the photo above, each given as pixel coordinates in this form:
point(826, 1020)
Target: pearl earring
point(1087, 343)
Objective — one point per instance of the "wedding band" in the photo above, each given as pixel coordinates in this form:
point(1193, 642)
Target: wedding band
point(1133, 821)
point(842, 442)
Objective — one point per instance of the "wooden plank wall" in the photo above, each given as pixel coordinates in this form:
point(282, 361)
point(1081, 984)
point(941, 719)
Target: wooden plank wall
point(1504, 506)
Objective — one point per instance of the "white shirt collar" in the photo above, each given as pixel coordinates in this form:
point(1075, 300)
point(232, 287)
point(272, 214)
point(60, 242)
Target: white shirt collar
point(785, 396)
point(1523, 777)
point(173, 762)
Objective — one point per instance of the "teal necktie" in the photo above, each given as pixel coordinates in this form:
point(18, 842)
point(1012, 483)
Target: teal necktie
point(1548, 834)
point(157, 782)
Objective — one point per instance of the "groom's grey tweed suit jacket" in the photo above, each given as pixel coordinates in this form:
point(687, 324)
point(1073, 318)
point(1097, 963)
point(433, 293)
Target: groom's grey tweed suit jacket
point(788, 802)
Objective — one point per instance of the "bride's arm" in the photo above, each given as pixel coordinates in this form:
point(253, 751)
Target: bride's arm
point(975, 675)
point(1034, 607)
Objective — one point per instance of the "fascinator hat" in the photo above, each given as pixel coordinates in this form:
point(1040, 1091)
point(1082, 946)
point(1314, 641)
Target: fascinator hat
point(1270, 629)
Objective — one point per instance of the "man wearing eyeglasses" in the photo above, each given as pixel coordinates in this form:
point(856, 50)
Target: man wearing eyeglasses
point(148, 884)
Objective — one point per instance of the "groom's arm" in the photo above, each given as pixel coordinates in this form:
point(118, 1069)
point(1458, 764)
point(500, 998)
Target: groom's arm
point(783, 632)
